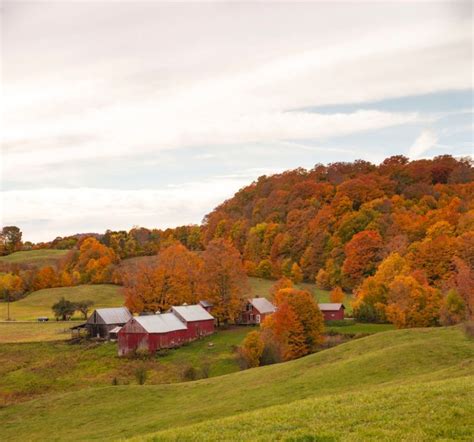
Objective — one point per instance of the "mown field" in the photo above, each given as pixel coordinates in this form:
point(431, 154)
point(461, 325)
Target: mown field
point(11, 332)
point(412, 384)
point(39, 303)
point(32, 369)
point(41, 257)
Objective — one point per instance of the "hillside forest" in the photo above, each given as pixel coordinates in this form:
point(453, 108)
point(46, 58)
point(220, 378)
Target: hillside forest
point(399, 236)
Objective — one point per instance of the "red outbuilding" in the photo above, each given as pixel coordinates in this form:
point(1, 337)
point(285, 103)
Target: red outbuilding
point(256, 310)
point(332, 311)
point(151, 333)
point(198, 320)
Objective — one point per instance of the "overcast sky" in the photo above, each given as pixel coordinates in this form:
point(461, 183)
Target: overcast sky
point(150, 114)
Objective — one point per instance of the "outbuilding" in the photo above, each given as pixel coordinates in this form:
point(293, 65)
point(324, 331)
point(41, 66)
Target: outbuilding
point(196, 318)
point(206, 305)
point(152, 333)
point(103, 320)
point(332, 311)
point(256, 310)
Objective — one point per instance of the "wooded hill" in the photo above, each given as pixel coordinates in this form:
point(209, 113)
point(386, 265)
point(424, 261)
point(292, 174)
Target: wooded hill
point(400, 235)
point(338, 223)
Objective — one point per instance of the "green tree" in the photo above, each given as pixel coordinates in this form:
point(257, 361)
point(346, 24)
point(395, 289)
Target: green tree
point(10, 240)
point(64, 309)
point(84, 307)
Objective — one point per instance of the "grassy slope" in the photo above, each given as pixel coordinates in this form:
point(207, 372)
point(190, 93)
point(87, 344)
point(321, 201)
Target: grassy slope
point(394, 360)
point(32, 369)
point(39, 303)
point(41, 257)
point(262, 287)
point(359, 328)
point(33, 331)
point(421, 411)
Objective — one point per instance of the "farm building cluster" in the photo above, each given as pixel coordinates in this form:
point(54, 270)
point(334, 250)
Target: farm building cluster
point(179, 325)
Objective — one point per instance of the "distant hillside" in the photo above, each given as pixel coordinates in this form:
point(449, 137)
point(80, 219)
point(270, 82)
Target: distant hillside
point(39, 303)
point(37, 258)
point(407, 384)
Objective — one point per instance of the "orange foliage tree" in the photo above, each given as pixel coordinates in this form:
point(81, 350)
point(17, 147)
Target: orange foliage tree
point(224, 280)
point(296, 273)
point(371, 296)
point(46, 278)
point(94, 262)
point(172, 278)
point(282, 283)
point(362, 256)
point(336, 295)
point(412, 303)
point(297, 325)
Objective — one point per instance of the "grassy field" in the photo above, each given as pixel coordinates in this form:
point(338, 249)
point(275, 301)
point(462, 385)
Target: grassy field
point(33, 331)
point(445, 413)
point(39, 303)
point(32, 369)
point(261, 287)
point(40, 258)
point(355, 328)
point(405, 384)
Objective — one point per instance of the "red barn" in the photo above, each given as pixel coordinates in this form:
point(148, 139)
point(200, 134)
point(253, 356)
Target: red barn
point(256, 310)
point(152, 333)
point(332, 311)
point(197, 319)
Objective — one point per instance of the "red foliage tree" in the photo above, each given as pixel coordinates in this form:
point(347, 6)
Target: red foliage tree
point(362, 256)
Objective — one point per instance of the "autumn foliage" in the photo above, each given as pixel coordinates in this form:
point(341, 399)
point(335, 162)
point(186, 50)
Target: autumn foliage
point(252, 349)
point(336, 295)
point(398, 235)
point(171, 278)
point(297, 325)
point(224, 280)
point(337, 224)
point(177, 276)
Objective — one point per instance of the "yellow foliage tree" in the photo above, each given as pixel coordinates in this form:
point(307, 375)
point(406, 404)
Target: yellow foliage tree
point(252, 349)
point(337, 295)
point(296, 273)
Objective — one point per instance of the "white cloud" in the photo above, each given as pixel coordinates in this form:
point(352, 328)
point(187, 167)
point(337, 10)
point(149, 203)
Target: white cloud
point(425, 141)
point(90, 82)
point(43, 214)
point(214, 90)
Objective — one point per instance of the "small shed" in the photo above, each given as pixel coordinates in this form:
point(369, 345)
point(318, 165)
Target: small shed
point(113, 334)
point(332, 311)
point(152, 333)
point(103, 320)
point(206, 305)
point(256, 310)
point(197, 319)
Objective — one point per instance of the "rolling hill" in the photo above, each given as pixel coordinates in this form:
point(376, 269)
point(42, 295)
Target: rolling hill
point(39, 303)
point(377, 386)
point(39, 258)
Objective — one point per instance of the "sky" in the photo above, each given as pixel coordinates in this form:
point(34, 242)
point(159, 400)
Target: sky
point(122, 114)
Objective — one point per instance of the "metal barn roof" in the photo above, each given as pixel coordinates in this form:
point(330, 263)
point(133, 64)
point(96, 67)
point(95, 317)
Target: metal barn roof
point(192, 313)
point(116, 315)
point(331, 306)
point(205, 303)
point(160, 323)
point(116, 329)
point(263, 305)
